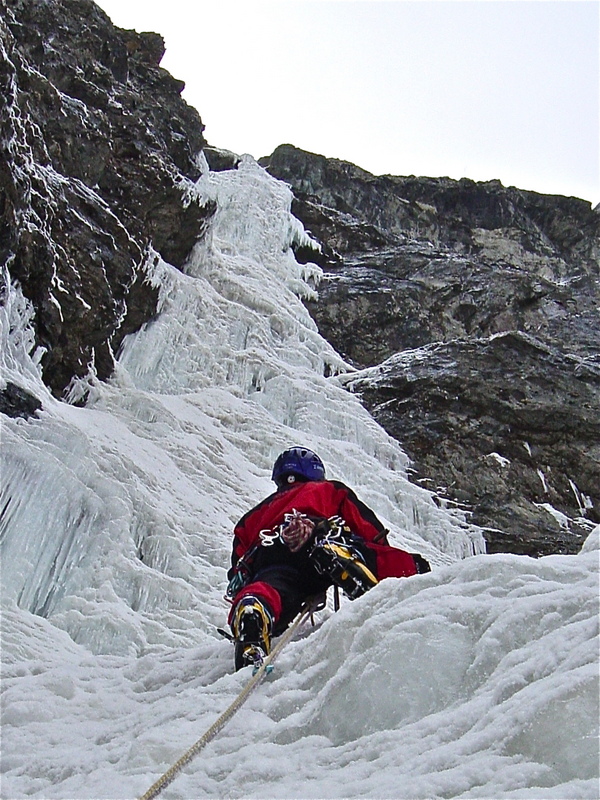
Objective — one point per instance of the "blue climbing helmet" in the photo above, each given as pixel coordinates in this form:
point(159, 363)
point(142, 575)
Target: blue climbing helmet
point(299, 462)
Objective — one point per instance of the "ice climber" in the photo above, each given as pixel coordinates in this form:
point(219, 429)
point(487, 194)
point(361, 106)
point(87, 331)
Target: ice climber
point(310, 534)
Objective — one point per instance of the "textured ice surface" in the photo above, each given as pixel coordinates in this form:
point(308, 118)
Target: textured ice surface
point(477, 680)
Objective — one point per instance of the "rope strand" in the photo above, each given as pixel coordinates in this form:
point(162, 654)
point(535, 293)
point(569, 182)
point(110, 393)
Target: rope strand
point(220, 723)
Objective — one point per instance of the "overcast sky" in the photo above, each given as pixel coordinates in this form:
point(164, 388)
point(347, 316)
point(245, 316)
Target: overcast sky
point(475, 88)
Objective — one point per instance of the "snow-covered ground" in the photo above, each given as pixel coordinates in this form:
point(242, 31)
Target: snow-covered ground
point(477, 680)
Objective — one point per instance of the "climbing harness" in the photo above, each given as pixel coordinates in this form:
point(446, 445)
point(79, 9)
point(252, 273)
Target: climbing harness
point(264, 669)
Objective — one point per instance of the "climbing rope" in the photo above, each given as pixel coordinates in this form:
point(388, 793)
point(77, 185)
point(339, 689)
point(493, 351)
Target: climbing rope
point(220, 723)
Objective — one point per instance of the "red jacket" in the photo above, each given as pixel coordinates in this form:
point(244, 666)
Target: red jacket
point(323, 499)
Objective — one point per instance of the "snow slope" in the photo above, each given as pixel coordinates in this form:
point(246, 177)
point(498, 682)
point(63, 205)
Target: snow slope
point(479, 679)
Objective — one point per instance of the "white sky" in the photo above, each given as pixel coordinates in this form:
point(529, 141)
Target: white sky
point(474, 88)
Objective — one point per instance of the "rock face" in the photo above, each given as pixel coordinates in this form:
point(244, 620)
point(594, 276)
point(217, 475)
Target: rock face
point(469, 310)
point(471, 313)
point(99, 156)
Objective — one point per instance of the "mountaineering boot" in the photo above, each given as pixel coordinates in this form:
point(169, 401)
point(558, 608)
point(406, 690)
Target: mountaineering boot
point(251, 625)
point(333, 555)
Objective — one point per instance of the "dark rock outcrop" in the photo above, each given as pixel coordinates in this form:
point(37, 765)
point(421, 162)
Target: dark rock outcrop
point(482, 302)
point(99, 156)
point(220, 160)
point(17, 402)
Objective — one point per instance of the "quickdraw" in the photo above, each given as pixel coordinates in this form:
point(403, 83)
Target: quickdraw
point(241, 573)
point(268, 537)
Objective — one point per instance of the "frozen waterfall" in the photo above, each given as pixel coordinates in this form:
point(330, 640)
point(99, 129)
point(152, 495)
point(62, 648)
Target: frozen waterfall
point(477, 680)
